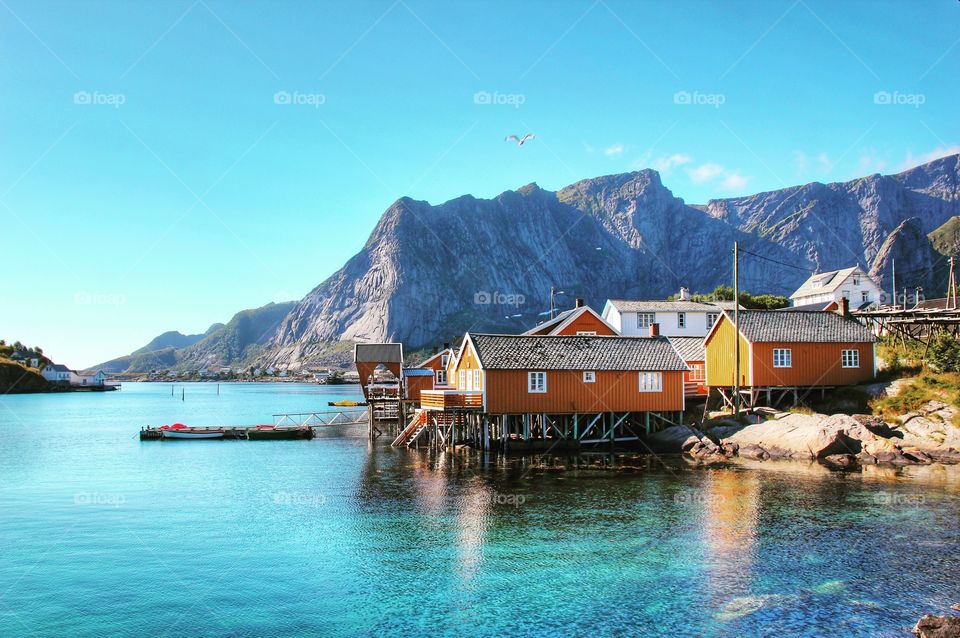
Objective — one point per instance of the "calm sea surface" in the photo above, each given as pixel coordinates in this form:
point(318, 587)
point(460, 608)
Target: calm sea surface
point(104, 535)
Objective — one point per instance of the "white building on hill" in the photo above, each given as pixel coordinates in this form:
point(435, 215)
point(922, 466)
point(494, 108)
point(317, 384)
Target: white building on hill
point(860, 289)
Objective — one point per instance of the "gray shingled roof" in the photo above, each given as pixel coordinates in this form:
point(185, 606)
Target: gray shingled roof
point(767, 326)
point(690, 348)
point(378, 353)
point(520, 352)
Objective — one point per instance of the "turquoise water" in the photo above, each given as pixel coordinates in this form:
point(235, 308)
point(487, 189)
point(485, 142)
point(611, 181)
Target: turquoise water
point(104, 535)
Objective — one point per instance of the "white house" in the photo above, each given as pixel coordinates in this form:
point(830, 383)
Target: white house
point(56, 372)
point(78, 378)
point(859, 288)
point(680, 318)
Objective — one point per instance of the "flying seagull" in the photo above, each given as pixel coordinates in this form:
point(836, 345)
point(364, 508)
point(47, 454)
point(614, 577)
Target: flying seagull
point(519, 140)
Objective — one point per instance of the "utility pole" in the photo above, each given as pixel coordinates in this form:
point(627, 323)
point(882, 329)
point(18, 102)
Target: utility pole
point(551, 302)
point(736, 329)
point(952, 290)
point(893, 266)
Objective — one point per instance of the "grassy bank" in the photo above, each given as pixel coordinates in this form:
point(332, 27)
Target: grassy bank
point(16, 378)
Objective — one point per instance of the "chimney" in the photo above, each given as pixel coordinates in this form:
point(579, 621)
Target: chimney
point(843, 307)
point(579, 303)
point(446, 345)
point(684, 294)
point(654, 329)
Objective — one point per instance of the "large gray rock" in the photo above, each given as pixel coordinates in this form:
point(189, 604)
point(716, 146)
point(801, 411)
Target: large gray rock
point(800, 436)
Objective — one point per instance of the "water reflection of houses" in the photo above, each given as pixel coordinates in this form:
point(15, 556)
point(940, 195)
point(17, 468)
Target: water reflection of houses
point(731, 508)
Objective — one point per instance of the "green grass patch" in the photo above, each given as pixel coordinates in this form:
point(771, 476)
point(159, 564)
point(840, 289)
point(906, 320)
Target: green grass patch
point(916, 392)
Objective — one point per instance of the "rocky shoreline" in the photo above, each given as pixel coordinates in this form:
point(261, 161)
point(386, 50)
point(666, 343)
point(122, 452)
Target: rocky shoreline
point(926, 436)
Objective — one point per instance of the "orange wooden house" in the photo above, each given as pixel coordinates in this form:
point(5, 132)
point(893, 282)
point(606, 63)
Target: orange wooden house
point(430, 374)
point(789, 351)
point(563, 387)
point(581, 320)
point(693, 353)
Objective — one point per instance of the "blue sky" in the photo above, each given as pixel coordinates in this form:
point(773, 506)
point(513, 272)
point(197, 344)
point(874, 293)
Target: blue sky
point(167, 164)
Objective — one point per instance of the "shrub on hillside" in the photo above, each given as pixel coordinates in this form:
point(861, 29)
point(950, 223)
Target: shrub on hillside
point(944, 355)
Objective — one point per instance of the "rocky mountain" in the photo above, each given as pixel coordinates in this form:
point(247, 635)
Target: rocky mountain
point(429, 273)
point(237, 342)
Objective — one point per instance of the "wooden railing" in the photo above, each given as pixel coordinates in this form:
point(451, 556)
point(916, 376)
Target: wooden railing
point(447, 399)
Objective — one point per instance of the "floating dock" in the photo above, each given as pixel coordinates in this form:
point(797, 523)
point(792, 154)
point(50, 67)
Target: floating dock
point(292, 425)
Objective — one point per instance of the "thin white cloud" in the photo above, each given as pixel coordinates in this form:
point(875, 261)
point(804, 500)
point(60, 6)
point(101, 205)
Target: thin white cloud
point(614, 151)
point(937, 153)
point(733, 181)
point(705, 172)
point(824, 163)
point(870, 162)
point(667, 163)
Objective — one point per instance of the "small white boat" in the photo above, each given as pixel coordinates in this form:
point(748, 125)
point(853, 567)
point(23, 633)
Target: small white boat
point(193, 434)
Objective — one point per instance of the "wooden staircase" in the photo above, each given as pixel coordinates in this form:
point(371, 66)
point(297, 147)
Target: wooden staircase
point(409, 435)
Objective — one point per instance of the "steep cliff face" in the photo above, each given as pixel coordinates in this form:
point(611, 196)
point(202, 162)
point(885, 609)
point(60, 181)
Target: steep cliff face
point(429, 273)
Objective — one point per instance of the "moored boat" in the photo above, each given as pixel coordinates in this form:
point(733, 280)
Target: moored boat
point(181, 431)
point(346, 404)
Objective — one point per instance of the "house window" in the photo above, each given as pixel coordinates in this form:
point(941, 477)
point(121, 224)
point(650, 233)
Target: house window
point(856, 280)
point(537, 382)
point(444, 360)
point(850, 358)
point(681, 320)
point(782, 358)
point(651, 382)
point(697, 372)
point(644, 319)
point(586, 333)
point(476, 379)
point(589, 376)
point(441, 376)
point(712, 319)
point(865, 295)
point(463, 379)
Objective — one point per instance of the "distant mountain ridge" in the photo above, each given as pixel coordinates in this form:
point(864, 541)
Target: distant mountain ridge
point(428, 273)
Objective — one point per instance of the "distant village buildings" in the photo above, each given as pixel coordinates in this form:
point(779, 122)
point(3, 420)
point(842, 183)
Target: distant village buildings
point(858, 287)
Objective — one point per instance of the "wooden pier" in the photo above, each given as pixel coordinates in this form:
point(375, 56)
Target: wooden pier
point(288, 425)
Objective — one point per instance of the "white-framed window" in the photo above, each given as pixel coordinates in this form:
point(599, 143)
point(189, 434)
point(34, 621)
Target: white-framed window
point(681, 320)
point(441, 377)
point(698, 372)
point(589, 376)
point(850, 358)
point(712, 319)
point(865, 295)
point(476, 379)
point(463, 379)
point(782, 358)
point(856, 280)
point(644, 319)
point(651, 381)
point(586, 333)
point(537, 382)
point(444, 360)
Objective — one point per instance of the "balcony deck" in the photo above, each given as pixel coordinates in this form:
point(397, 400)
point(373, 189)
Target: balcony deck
point(442, 400)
